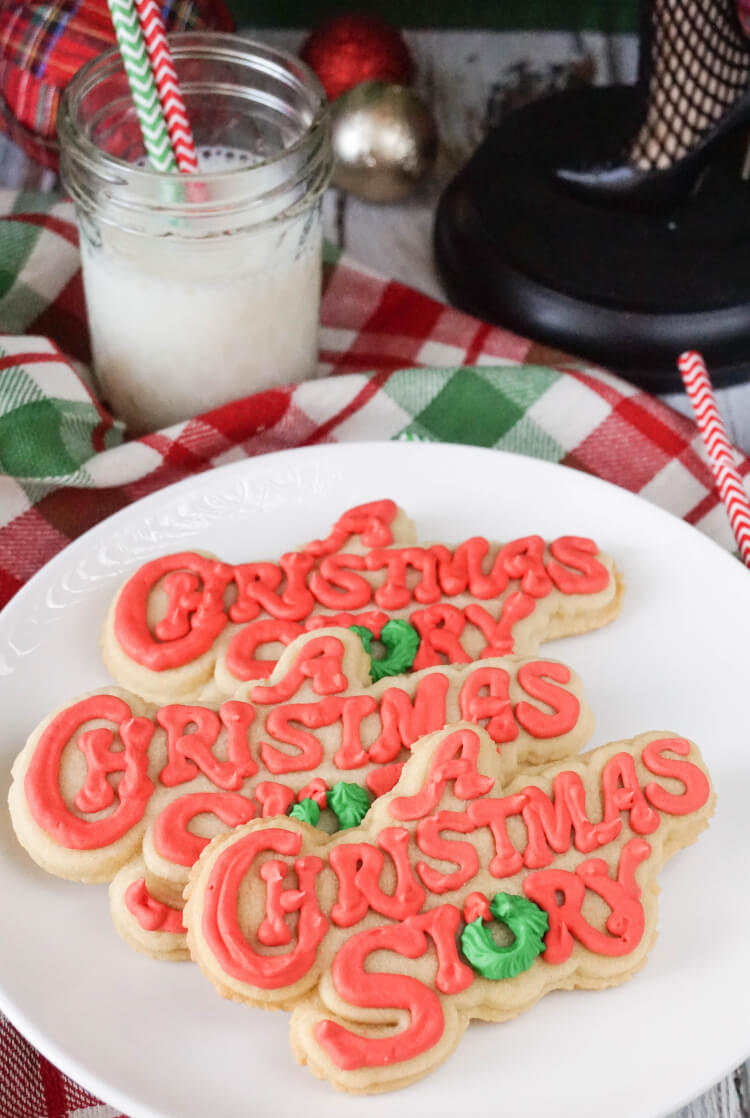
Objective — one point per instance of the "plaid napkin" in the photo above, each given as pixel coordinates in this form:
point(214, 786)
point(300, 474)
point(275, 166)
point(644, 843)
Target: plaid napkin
point(396, 365)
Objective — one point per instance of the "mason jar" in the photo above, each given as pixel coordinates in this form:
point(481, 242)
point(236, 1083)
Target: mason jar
point(203, 288)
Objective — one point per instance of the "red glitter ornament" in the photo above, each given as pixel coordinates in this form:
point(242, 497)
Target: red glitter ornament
point(350, 49)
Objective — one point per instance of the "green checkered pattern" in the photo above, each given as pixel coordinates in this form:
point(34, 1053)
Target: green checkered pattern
point(497, 399)
point(45, 437)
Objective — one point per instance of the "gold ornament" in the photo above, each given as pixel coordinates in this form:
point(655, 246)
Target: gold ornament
point(385, 141)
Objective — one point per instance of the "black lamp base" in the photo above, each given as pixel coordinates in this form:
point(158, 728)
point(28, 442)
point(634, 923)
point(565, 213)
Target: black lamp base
point(626, 289)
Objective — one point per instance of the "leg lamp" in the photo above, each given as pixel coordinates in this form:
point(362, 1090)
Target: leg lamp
point(615, 223)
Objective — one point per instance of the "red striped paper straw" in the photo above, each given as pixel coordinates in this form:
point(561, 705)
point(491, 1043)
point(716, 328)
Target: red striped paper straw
point(728, 481)
point(167, 86)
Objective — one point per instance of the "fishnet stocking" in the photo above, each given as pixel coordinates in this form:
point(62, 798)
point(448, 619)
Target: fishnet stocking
point(698, 66)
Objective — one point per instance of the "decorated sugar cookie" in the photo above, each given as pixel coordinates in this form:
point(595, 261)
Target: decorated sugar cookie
point(110, 788)
point(385, 940)
point(188, 625)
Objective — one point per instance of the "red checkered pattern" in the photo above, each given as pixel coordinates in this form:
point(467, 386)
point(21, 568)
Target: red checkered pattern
point(31, 1087)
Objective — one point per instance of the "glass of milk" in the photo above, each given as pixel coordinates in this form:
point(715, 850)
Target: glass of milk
point(200, 289)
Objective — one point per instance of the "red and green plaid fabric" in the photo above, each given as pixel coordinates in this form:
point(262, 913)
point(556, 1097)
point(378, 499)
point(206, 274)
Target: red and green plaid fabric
point(42, 45)
point(396, 365)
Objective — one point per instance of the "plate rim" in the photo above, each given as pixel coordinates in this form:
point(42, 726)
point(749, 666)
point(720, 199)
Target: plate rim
point(209, 479)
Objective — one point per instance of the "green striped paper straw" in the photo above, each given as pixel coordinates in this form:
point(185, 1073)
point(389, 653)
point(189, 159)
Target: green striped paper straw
point(142, 85)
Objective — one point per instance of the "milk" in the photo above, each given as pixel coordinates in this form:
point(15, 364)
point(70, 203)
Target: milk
point(180, 326)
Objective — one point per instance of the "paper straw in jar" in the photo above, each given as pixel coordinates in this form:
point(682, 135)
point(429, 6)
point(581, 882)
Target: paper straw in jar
point(142, 85)
point(167, 86)
point(728, 481)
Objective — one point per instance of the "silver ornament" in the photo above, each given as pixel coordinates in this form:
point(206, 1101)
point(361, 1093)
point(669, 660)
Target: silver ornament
point(384, 141)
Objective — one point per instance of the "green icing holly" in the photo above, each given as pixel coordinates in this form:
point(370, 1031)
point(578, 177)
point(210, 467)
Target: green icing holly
point(401, 642)
point(349, 803)
point(528, 923)
point(307, 811)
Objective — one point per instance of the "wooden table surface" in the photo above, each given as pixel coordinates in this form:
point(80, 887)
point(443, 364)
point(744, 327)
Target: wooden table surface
point(470, 79)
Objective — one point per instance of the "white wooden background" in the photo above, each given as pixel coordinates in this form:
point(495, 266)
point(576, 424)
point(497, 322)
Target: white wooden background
point(470, 79)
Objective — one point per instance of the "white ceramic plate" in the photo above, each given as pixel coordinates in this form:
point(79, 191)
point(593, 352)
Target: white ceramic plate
point(154, 1039)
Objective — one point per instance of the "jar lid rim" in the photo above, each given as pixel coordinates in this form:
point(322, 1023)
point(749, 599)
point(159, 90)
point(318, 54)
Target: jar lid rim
point(192, 44)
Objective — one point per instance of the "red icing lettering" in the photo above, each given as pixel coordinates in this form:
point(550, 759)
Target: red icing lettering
point(152, 915)
point(697, 788)
point(461, 570)
point(485, 698)
point(273, 932)
point(476, 906)
point(278, 724)
point(195, 614)
point(549, 822)
point(524, 559)
point(257, 584)
point(237, 718)
point(42, 780)
point(405, 720)
point(350, 711)
point(622, 792)
point(358, 867)
point(182, 746)
point(456, 759)
point(463, 854)
point(440, 627)
point(388, 889)
point(427, 591)
point(371, 522)
point(240, 657)
point(315, 790)
point(189, 752)
point(321, 660)
point(348, 1049)
point(566, 921)
point(394, 594)
point(274, 799)
point(101, 759)
point(184, 593)
point(535, 680)
point(172, 838)
point(336, 586)
point(495, 814)
point(350, 754)
point(582, 572)
point(380, 781)
point(322, 575)
point(220, 921)
point(499, 634)
point(442, 923)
